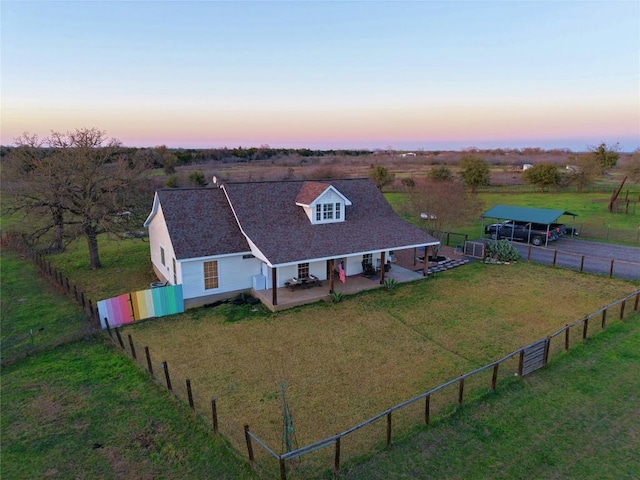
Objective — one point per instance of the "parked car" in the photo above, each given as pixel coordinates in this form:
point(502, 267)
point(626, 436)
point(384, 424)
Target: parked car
point(534, 233)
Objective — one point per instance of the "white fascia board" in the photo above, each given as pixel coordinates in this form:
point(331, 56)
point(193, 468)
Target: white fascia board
point(154, 210)
point(213, 257)
point(355, 254)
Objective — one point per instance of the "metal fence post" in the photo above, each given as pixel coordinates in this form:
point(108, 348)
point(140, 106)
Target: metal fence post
point(247, 439)
point(190, 395)
point(214, 415)
point(149, 364)
point(133, 348)
point(494, 378)
point(427, 410)
point(166, 375)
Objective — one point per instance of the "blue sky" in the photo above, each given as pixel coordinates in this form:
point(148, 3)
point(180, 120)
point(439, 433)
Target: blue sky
point(410, 75)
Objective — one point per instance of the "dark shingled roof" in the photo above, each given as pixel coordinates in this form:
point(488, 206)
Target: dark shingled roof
point(201, 223)
point(281, 230)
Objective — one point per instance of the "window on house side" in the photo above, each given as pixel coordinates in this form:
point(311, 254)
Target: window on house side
point(338, 213)
point(303, 270)
point(367, 259)
point(210, 275)
point(162, 260)
point(318, 212)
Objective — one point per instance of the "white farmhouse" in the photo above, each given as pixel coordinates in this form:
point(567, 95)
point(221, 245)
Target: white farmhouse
point(238, 237)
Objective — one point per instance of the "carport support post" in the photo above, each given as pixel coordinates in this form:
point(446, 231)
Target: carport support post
point(382, 262)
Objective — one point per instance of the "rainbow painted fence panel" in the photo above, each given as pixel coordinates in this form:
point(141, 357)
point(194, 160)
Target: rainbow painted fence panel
point(140, 305)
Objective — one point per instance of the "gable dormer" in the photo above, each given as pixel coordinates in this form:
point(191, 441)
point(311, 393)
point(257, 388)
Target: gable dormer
point(322, 203)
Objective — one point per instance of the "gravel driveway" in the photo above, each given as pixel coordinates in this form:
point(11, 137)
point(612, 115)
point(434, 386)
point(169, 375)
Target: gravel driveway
point(589, 256)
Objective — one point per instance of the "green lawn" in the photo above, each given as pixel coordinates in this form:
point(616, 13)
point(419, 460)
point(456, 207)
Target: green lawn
point(35, 315)
point(77, 408)
point(126, 267)
point(578, 418)
point(345, 362)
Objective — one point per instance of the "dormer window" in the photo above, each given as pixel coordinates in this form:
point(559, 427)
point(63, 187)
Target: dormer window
point(328, 211)
point(322, 202)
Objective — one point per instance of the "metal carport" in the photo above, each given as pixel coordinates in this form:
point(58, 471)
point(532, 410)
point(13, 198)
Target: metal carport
point(542, 216)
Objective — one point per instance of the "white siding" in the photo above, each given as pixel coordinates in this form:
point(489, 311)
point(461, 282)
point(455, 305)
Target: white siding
point(317, 269)
point(159, 237)
point(234, 273)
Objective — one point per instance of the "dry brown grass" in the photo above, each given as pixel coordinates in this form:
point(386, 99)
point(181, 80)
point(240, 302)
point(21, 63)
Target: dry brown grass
point(346, 362)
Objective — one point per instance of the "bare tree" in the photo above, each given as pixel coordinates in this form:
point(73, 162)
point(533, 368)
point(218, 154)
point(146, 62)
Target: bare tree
point(30, 181)
point(633, 168)
point(443, 205)
point(584, 171)
point(87, 180)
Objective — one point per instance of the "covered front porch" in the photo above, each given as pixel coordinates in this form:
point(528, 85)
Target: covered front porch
point(286, 298)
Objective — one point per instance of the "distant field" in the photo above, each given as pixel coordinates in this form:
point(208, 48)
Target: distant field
point(593, 219)
point(343, 363)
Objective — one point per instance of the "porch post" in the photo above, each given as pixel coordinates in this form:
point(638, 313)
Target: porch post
point(425, 264)
point(382, 262)
point(331, 267)
point(274, 286)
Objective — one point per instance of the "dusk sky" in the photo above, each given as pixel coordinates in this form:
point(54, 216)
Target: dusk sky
point(325, 75)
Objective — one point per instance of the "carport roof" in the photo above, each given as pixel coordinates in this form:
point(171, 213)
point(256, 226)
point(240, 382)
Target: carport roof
point(525, 214)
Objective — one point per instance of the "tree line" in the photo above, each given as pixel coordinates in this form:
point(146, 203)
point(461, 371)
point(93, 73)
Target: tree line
point(82, 183)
